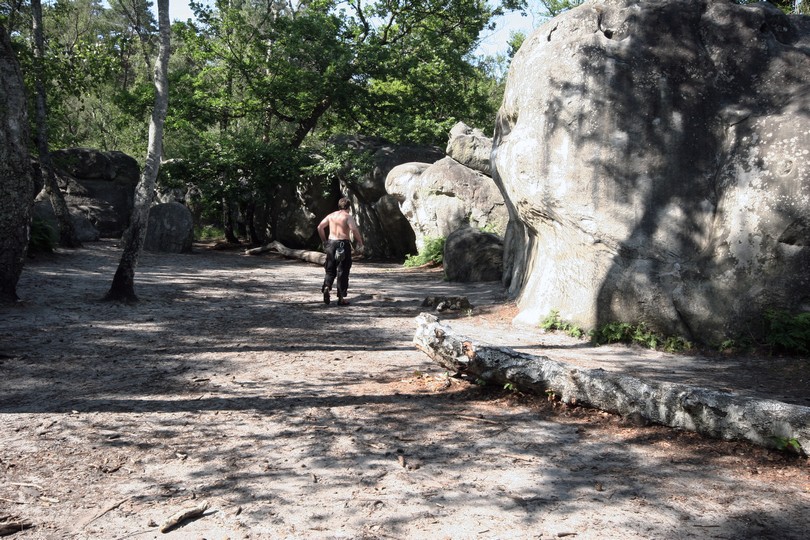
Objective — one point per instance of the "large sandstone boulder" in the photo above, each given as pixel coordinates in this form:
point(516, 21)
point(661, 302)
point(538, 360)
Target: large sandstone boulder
point(170, 228)
point(99, 184)
point(470, 147)
point(472, 255)
point(654, 156)
point(444, 196)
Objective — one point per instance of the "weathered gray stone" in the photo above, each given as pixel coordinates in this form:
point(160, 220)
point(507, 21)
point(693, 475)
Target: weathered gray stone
point(101, 185)
point(718, 414)
point(445, 303)
point(85, 231)
point(470, 147)
point(473, 255)
point(440, 198)
point(654, 157)
point(170, 228)
point(92, 164)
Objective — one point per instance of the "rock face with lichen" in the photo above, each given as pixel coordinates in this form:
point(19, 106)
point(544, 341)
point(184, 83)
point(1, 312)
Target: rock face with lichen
point(655, 160)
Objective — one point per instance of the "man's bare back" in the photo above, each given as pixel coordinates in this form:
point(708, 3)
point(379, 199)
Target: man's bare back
point(340, 224)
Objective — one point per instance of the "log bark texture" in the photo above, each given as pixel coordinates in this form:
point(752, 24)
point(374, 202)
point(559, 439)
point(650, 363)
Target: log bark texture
point(718, 414)
point(314, 257)
point(187, 513)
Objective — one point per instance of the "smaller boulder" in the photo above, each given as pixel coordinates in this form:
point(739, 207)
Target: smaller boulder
point(470, 147)
point(445, 303)
point(472, 255)
point(170, 228)
point(85, 231)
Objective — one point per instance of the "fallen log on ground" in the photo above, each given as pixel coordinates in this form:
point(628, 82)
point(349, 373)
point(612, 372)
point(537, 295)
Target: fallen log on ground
point(187, 513)
point(11, 525)
point(718, 414)
point(314, 257)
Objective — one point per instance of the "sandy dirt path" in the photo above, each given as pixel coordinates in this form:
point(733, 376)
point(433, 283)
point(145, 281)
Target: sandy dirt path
point(231, 383)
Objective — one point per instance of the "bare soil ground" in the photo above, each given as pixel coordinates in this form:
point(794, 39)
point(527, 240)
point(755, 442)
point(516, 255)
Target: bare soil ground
point(231, 383)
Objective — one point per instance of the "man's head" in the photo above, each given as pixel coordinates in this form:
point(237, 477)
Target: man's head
point(343, 203)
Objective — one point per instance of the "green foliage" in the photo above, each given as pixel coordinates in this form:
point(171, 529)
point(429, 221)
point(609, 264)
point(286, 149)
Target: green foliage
point(516, 39)
point(787, 6)
point(618, 332)
point(787, 333)
point(335, 162)
point(432, 253)
point(553, 322)
point(788, 444)
point(638, 334)
point(676, 344)
point(43, 237)
point(209, 232)
point(489, 228)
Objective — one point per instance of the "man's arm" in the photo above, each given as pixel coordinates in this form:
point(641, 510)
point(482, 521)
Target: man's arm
point(358, 238)
point(324, 224)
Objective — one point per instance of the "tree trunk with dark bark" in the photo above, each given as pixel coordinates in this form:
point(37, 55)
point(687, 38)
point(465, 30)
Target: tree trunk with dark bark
point(67, 233)
point(123, 285)
point(16, 183)
point(229, 221)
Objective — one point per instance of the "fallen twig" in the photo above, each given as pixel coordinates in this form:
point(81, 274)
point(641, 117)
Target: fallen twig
point(183, 515)
point(108, 509)
point(25, 484)
point(476, 419)
point(11, 525)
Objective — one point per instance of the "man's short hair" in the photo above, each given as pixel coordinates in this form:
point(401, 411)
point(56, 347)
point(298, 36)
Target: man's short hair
point(344, 203)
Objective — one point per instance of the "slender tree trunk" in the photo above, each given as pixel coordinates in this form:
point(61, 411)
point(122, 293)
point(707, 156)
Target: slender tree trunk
point(67, 233)
point(16, 183)
point(250, 216)
point(229, 221)
point(123, 285)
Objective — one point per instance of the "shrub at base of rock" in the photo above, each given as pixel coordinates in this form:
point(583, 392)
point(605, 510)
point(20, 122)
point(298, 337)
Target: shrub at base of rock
point(170, 229)
point(471, 255)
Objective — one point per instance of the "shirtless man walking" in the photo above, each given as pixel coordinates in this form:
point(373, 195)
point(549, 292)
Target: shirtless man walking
point(338, 249)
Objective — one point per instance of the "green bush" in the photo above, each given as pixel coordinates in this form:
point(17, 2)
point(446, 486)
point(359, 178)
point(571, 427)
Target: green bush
point(639, 334)
point(209, 232)
point(554, 322)
point(43, 237)
point(432, 253)
point(787, 333)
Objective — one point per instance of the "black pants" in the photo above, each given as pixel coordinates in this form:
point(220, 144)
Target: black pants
point(338, 269)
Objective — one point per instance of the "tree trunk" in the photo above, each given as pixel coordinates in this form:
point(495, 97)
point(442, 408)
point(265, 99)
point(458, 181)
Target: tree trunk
point(67, 233)
point(710, 412)
point(315, 257)
point(250, 221)
point(16, 183)
point(229, 221)
point(123, 285)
